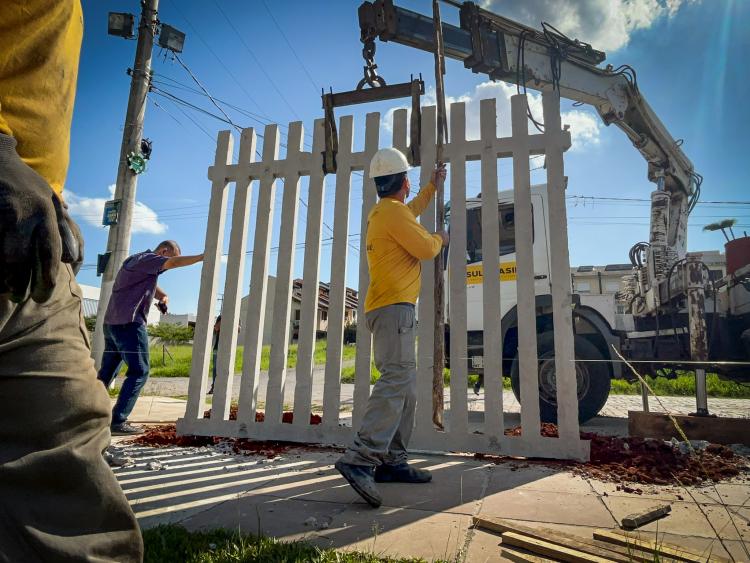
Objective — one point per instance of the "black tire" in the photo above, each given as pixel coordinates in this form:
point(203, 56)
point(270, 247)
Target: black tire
point(593, 378)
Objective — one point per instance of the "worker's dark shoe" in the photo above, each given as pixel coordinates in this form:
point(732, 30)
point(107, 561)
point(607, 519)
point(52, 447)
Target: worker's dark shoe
point(360, 478)
point(125, 429)
point(401, 473)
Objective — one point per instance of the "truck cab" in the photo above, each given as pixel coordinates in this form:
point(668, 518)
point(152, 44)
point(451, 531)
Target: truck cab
point(593, 333)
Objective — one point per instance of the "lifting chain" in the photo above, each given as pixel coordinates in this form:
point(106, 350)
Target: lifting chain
point(370, 69)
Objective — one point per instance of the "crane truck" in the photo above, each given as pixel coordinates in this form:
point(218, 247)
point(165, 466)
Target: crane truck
point(675, 316)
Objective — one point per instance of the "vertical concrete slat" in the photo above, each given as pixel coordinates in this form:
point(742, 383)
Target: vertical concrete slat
point(526, 300)
point(492, 344)
point(209, 276)
point(310, 281)
point(337, 289)
point(255, 315)
point(230, 311)
point(282, 303)
point(399, 130)
point(557, 141)
point(456, 150)
point(426, 306)
point(364, 337)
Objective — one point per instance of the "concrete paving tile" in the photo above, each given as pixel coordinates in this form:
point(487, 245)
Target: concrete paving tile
point(385, 531)
point(484, 547)
point(548, 507)
point(733, 493)
point(457, 485)
point(687, 519)
point(705, 546)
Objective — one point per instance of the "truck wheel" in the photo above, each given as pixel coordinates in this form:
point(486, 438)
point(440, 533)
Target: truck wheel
point(593, 378)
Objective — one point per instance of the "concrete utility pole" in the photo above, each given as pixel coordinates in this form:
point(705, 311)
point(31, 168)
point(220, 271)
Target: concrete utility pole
point(118, 243)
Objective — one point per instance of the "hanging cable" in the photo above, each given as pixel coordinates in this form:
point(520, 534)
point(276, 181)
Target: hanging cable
point(202, 87)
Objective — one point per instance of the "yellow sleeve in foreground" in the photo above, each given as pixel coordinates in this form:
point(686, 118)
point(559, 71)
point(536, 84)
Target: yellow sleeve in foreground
point(412, 236)
point(422, 199)
point(40, 42)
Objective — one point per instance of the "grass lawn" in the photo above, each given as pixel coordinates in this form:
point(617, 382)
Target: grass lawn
point(347, 376)
point(684, 385)
point(174, 544)
point(179, 363)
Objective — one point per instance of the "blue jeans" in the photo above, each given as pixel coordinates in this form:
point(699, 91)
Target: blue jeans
point(125, 343)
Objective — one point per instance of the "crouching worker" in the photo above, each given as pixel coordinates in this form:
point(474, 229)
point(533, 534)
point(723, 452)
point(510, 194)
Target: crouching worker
point(125, 336)
point(396, 243)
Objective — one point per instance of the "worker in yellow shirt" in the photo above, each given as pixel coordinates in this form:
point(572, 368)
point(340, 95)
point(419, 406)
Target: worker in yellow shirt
point(396, 243)
point(59, 500)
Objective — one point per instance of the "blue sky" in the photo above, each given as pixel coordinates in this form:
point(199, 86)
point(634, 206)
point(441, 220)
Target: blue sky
point(689, 55)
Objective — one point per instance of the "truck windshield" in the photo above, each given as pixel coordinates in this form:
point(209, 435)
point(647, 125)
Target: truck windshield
point(474, 232)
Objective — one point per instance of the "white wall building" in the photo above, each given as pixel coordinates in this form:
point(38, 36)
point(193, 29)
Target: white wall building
point(91, 302)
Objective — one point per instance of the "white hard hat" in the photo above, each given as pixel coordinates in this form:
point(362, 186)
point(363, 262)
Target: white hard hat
point(387, 162)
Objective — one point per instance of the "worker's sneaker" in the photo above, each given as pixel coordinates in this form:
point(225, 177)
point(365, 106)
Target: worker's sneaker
point(360, 478)
point(125, 429)
point(401, 473)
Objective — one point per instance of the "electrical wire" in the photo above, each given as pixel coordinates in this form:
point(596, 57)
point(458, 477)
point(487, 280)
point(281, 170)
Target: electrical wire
point(291, 48)
point(203, 88)
point(257, 61)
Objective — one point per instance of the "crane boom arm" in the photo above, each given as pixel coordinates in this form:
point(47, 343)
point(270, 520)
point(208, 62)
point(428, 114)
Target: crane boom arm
point(489, 43)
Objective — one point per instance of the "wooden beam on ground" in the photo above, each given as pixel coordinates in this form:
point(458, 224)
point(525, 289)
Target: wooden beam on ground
point(549, 549)
point(523, 557)
point(719, 430)
point(638, 519)
point(658, 548)
point(587, 545)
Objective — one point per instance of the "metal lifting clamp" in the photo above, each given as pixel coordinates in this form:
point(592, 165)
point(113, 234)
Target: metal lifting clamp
point(378, 91)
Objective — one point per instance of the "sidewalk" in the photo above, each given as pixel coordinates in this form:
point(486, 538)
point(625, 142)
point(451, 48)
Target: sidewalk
point(299, 495)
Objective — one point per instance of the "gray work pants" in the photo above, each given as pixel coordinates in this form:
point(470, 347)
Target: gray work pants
point(389, 419)
point(59, 500)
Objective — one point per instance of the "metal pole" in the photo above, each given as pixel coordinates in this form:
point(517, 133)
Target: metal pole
point(118, 243)
point(696, 301)
point(439, 335)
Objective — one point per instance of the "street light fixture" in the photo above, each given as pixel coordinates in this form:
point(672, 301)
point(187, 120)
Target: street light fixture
point(171, 38)
point(121, 24)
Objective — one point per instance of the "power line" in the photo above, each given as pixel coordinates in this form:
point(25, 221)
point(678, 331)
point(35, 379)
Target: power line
point(291, 48)
point(257, 61)
point(217, 57)
point(203, 88)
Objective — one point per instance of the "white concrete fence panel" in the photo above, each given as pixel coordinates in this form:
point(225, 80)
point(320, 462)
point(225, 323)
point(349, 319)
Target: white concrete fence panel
point(248, 175)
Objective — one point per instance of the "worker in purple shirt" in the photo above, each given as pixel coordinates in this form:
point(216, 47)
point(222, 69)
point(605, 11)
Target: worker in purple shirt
point(125, 336)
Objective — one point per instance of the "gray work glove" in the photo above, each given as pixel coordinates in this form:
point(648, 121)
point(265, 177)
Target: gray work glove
point(36, 232)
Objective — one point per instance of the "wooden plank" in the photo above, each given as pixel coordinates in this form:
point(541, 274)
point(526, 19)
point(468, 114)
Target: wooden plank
point(562, 316)
point(493, 337)
point(282, 303)
point(558, 552)
point(310, 281)
point(523, 556)
point(230, 309)
point(458, 417)
point(364, 337)
point(217, 211)
point(587, 545)
point(633, 521)
point(332, 386)
point(657, 548)
point(425, 306)
point(526, 301)
point(719, 430)
point(255, 315)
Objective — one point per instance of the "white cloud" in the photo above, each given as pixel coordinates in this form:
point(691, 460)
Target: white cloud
point(90, 210)
point(585, 126)
point(606, 24)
